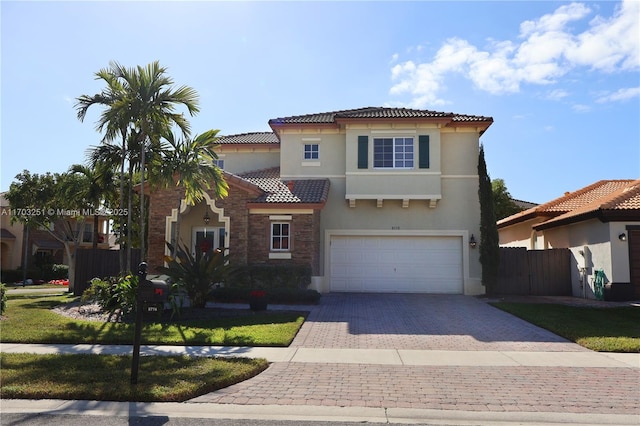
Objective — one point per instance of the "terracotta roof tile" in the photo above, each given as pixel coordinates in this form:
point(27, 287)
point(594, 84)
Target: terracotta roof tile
point(621, 194)
point(375, 113)
point(249, 138)
point(306, 191)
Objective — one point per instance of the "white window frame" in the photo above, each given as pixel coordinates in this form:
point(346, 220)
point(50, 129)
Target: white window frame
point(397, 154)
point(281, 237)
point(308, 151)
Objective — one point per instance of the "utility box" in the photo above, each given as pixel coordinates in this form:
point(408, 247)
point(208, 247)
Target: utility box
point(154, 291)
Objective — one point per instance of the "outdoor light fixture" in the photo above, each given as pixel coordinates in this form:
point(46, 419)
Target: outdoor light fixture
point(206, 218)
point(472, 241)
point(622, 237)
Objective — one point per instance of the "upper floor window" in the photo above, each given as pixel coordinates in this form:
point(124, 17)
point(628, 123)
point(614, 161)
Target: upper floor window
point(393, 153)
point(280, 236)
point(311, 151)
point(219, 163)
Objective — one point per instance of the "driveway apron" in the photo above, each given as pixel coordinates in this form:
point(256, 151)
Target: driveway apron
point(433, 324)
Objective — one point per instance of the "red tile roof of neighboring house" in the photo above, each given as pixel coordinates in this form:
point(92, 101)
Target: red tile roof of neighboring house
point(379, 113)
point(605, 199)
point(277, 191)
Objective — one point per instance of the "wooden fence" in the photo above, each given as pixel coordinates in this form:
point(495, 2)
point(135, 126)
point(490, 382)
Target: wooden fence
point(105, 263)
point(534, 272)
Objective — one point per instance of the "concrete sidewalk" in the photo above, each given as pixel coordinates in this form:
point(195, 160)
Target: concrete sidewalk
point(355, 356)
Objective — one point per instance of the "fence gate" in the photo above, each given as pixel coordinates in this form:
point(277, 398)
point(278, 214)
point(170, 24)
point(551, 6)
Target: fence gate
point(534, 272)
point(105, 263)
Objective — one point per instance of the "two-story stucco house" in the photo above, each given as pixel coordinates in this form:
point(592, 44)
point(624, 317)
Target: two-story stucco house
point(374, 199)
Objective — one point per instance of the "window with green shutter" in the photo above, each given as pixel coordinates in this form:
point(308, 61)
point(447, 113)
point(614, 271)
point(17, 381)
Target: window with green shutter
point(363, 152)
point(423, 151)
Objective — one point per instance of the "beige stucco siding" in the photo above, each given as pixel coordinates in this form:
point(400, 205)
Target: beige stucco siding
point(459, 150)
point(331, 154)
point(248, 159)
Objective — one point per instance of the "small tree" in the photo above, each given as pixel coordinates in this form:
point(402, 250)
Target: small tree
point(502, 201)
point(489, 241)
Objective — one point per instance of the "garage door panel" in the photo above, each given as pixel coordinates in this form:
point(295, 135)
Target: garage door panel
point(396, 264)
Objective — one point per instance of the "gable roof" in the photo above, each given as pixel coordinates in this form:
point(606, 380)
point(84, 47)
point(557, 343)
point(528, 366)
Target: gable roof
point(301, 192)
point(605, 199)
point(380, 113)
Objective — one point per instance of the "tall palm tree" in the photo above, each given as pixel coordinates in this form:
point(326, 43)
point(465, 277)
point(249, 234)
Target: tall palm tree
point(189, 164)
point(140, 106)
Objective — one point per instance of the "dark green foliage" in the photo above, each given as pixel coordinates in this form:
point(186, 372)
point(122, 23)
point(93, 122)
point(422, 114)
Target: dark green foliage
point(11, 275)
point(115, 295)
point(197, 276)
point(489, 240)
point(3, 298)
point(274, 295)
point(272, 276)
point(502, 202)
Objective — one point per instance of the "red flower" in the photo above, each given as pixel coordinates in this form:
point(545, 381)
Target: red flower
point(258, 293)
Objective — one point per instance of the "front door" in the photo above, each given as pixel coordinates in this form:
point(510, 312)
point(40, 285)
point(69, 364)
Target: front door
point(203, 241)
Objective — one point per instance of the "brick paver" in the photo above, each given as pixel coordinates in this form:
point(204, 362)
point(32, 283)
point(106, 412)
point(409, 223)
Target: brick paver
point(428, 322)
point(530, 389)
point(421, 321)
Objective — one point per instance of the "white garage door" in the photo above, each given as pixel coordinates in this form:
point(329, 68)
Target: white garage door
point(396, 264)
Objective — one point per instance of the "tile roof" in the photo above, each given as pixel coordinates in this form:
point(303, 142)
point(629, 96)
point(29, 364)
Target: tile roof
point(603, 195)
point(302, 191)
point(5, 234)
point(249, 138)
point(375, 113)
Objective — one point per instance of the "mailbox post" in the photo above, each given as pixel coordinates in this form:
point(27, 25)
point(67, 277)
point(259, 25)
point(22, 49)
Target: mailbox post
point(148, 291)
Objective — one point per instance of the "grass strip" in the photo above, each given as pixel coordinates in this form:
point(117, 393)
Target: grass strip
point(107, 377)
point(598, 329)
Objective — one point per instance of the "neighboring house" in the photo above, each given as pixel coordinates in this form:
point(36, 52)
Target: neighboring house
point(43, 247)
point(600, 224)
point(11, 237)
point(373, 199)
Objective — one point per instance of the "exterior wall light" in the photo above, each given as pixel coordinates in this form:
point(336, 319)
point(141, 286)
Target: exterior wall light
point(622, 237)
point(206, 218)
point(472, 242)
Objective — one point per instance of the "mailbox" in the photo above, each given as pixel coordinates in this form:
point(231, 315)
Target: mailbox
point(154, 291)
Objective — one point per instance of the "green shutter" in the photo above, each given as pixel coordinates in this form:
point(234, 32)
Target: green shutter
point(423, 151)
point(363, 152)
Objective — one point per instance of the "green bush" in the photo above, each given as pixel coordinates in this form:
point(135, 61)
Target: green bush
point(115, 295)
point(271, 277)
point(3, 298)
point(11, 275)
point(274, 295)
point(55, 272)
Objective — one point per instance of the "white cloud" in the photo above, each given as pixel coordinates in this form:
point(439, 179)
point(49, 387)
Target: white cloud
point(548, 49)
point(620, 95)
point(557, 94)
point(581, 108)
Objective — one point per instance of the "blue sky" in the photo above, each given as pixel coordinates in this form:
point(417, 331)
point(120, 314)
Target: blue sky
point(560, 79)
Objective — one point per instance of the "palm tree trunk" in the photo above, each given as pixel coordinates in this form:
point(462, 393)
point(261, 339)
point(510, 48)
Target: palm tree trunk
point(129, 217)
point(122, 219)
point(142, 221)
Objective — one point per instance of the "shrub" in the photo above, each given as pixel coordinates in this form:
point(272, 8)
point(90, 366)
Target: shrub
point(272, 277)
point(115, 295)
point(55, 272)
point(197, 276)
point(11, 275)
point(3, 298)
point(275, 295)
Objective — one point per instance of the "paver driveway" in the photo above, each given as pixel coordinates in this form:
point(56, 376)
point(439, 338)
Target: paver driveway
point(421, 321)
point(430, 323)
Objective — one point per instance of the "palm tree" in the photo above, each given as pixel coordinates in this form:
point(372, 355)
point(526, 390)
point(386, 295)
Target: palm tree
point(140, 106)
point(188, 164)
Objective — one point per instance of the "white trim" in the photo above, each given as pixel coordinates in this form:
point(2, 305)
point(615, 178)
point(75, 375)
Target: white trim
point(285, 177)
point(280, 217)
point(280, 255)
point(391, 171)
point(311, 139)
point(310, 163)
point(391, 132)
point(280, 211)
point(392, 197)
point(459, 176)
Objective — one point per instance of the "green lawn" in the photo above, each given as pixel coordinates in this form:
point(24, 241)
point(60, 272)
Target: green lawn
point(107, 377)
point(29, 319)
point(598, 329)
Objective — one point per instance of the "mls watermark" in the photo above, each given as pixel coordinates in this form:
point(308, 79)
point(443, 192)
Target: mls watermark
point(51, 212)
